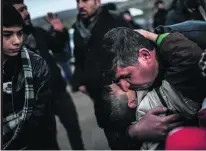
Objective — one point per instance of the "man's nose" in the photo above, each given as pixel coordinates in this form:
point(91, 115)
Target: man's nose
point(124, 85)
point(16, 40)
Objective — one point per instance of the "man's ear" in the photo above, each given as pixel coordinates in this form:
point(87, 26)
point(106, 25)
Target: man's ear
point(132, 104)
point(144, 54)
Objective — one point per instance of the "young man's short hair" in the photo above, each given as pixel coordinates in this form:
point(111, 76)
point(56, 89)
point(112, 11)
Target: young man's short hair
point(11, 17)
point(115, 108)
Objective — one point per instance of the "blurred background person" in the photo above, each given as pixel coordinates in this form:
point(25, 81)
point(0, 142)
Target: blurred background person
point(128, 17)
point(183, 10)
point(160, 14)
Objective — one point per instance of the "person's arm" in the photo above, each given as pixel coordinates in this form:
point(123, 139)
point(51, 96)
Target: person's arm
point(180, 57)
point(42, 93)
point(41, 124)
point(59, 35)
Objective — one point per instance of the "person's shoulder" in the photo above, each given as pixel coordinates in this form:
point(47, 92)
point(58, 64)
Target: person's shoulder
point(34, 56)
point(38, 64)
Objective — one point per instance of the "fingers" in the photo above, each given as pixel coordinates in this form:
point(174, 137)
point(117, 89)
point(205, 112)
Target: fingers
point(171, 118)
point(174, 125)
point(50, 16)
point(157, 110)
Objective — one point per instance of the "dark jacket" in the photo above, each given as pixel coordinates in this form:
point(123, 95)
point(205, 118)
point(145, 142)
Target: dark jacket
point(160, 18)
point(179, 13)
point(39, 129)
point(179, 58)
point(87, 70)
point(45, 42)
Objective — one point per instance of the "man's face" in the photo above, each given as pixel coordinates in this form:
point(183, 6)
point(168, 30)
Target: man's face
point(22, 9)
point(87, 8)
point(131, 95)
point(12, 40)
point(141, 75)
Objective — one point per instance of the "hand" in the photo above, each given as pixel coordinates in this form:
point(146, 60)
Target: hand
point(83, 89)
point(54, 21)
point(152, 127)
point(148, 35)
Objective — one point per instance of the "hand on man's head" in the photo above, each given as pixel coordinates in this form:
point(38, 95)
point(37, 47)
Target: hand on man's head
point(148, 35)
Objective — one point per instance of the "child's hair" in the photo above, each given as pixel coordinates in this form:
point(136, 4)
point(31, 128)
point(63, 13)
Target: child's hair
point(115, 108)
point(11, 17)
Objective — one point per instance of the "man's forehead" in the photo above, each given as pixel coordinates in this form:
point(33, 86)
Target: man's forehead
point(12, 29)
point(20, 5)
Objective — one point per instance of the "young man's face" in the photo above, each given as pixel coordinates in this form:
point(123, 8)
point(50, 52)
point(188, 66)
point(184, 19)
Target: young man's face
point(22, 9)
point(87, 8)
point(12, 40)
point(131, 95)
point(141, 75)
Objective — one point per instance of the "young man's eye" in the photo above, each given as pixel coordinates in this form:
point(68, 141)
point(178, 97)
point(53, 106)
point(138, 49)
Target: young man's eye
point(19, 34)
point(7, 35)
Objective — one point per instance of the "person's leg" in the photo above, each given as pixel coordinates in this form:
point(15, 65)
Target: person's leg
point(66, 111)
point(67, 70)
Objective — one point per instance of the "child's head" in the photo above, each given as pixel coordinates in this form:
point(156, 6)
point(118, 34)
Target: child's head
point(119, 106)
point(12, 30)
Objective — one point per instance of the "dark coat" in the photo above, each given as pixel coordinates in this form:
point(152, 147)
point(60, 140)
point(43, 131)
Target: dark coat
point(160, 18)
point(179, 13)
point(45, 42)
point(87, 56)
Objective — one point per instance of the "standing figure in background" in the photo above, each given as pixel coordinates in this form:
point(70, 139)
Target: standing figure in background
point(160, 14)
point(28, 121)
point(93, 21)
point(40, 41)
point(183, 10)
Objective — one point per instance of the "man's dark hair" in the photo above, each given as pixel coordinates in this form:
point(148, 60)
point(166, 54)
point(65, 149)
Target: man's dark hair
point(115, 108)
point(120, 48)
point(158, 2)
point(12, 2)
point(11, 16)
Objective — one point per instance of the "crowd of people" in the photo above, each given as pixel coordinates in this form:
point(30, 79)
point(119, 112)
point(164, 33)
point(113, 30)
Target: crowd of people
point(148, 88)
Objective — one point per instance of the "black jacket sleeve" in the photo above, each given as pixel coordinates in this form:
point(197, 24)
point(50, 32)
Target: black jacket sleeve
point(57, 40)
point(42, 121)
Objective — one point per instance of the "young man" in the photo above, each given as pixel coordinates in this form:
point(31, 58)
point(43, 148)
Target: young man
point(138, 65)
point(41, 41)
point(28, 122)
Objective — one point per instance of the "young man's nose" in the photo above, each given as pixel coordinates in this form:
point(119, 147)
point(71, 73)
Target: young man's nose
point(16, 40)
point(124, 85)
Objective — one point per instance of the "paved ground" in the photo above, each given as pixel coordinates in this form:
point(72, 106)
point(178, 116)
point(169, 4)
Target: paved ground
point(93, 136)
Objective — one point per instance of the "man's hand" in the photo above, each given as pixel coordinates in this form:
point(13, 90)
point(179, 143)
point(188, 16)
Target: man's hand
point(148, 35)
point(54, 21)
point(152, 127)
